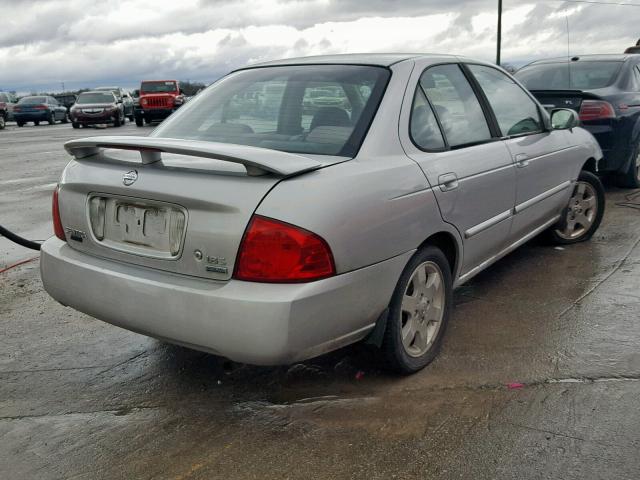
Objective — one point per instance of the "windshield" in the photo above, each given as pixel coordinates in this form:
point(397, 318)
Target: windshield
point(32, 100)
point(153, 87)
point(569, 76)
point(321, 109)
point(95, 98)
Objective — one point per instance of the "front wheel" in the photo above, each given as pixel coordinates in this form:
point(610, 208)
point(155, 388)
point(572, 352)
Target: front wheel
point(419, 312)
point(583, 214)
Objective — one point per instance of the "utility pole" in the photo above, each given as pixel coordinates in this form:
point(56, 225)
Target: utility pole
point(499, 32)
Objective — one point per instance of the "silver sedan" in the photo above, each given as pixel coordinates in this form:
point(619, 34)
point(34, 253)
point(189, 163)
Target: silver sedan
point(260, 225)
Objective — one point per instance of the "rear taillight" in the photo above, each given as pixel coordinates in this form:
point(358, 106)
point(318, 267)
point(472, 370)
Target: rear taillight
point(41, 107)
point(277, 252)
point(596, 110)
point(55, 210)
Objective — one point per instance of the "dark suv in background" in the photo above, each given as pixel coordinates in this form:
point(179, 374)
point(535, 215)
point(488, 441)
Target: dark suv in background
point(7, 102)
point(66, 99)
point(605, 91)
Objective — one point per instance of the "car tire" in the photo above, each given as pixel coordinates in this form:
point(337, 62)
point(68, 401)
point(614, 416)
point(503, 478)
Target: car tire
point(3, 122)
point(51, 119)
point(65, 119)
point(147, 121)
point(131, 118)
point(583, 214)
point(631, 178)
point(419, 312)
point(20, 124)
point(139, 121)
point(75, 124)
point(36, 123)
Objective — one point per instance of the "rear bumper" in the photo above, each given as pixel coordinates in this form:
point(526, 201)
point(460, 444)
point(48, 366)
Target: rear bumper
point(264, 324)
point(40, 116)
point(615, 140)
point(154, 113)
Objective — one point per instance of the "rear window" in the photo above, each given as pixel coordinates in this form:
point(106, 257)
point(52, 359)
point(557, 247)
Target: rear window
point(95, 98)
point(32, 100)
point(580, 75)
point(318, 109)
point(158, 87)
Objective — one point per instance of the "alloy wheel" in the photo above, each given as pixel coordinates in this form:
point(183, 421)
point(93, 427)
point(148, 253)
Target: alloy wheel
point(422, 309)
point(580, 213)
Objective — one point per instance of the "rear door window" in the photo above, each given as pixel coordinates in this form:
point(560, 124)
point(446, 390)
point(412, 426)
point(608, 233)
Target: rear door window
point(456, 105)
point(515, 111)
point(425, 131)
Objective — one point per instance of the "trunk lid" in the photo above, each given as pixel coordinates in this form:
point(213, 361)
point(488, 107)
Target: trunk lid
point(181, 212)
point(571, 99)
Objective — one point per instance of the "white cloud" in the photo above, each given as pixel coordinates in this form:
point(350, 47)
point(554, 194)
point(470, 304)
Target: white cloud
point(83, 42)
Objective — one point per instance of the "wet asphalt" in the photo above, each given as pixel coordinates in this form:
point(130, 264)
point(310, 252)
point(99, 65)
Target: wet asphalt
point(538, 377)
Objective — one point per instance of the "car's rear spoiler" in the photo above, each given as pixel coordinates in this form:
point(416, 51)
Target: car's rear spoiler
point(257, 161)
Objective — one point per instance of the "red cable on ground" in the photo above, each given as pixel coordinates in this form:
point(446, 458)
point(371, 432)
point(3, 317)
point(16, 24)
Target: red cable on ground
point(18, 264)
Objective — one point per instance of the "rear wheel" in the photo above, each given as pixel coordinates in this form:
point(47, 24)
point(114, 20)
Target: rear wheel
point(419, 312)
point(583, 214)
point(631, 178)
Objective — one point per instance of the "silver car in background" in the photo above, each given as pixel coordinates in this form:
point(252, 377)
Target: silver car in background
point(261, 226)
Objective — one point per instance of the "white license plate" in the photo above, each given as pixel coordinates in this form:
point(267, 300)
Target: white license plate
point(142, 227)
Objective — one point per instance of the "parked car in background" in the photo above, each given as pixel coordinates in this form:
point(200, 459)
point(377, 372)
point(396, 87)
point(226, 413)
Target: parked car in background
point(40, 108)
point(7, 102)
point(605, 91)
point(66, 99)
point(270, 240)
point(124, 97)
point(634, 49)
point(158, 99)
point(97, 108)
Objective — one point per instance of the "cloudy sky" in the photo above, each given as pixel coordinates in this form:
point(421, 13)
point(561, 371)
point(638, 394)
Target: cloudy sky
point(84, 43)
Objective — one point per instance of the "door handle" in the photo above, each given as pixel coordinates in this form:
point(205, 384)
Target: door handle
point(448, 181)
point(522, 160)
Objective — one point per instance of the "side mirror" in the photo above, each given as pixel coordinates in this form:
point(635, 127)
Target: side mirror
point(564, 119)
